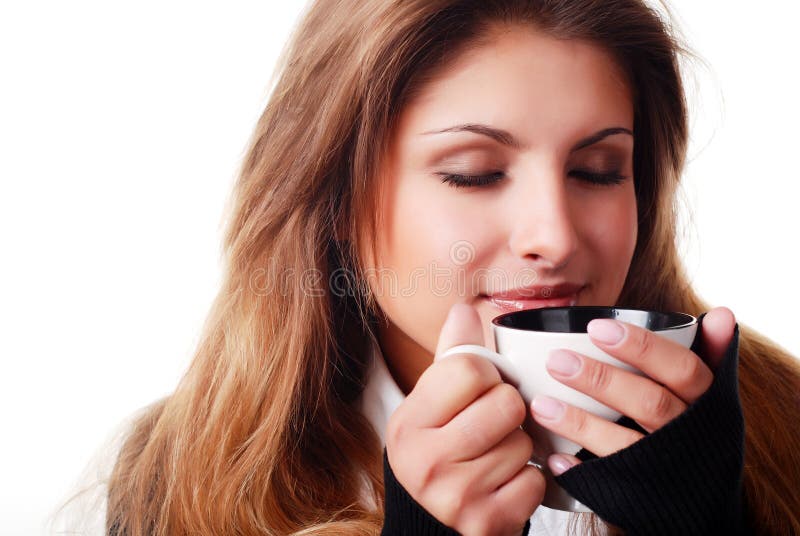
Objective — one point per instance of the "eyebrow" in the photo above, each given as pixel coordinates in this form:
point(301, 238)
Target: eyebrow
point(505, 138)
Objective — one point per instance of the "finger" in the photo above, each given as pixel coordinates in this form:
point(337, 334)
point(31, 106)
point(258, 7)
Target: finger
point(561, 463)
point(447, 387)
point(517, 499)
point(596, 435)
point(485, 422)
point(500, 463)
point(648, 403)
point(718, 326)
point(665, 361)
point(462, 326)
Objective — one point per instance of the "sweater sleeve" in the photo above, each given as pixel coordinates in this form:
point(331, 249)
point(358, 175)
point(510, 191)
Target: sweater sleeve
point(684, 478)
point(406, 517)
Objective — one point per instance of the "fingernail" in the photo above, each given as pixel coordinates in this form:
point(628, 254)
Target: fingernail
point(606, 330)
point(559, 464)
point(564, 363)
point(548, 408)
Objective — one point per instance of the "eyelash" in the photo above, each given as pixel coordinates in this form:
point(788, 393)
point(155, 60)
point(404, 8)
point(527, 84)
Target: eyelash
point(463, 181)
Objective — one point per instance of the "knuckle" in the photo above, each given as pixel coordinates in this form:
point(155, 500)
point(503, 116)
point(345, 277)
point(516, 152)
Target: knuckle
point(471, 433)
point(396, 429)
point(423, 472)
point(485, 368)
point(479, 522)
point(580, 422)
point(472, 479)
point(535, 488)
point(524, 442)
point(599, 377)
point(531, 491)
point(451, 502)
point(510, 404)
point(644, 344)
point(689, 371)
point(415, 472)
point(426, 476)
point(473, 373)
point(657, 403)
point(517, 507)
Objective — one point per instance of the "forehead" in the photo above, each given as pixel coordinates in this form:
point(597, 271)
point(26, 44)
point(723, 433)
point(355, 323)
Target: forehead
point(542, 89)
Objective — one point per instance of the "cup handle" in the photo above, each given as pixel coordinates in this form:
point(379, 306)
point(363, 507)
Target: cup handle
point(506, 368)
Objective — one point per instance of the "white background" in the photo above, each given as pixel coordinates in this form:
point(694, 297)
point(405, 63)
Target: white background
point(121, 131)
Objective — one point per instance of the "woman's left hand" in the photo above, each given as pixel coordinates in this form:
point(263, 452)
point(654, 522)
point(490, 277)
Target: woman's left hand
point(676, 377)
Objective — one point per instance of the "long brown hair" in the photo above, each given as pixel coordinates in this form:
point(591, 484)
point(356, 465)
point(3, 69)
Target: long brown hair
point(263, 434)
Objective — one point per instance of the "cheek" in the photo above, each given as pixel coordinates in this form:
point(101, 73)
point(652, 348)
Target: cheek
point(612, 231)
point(419, 234)
point(617, 231)
point(431, 228)
point(426, 247)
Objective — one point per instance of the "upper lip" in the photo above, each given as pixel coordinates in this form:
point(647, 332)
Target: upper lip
point(538, 292)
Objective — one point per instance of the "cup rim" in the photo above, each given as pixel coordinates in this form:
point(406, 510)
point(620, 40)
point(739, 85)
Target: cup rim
point(690, 319)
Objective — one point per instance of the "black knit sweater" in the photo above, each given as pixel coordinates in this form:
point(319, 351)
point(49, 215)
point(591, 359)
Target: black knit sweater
point(685, 478)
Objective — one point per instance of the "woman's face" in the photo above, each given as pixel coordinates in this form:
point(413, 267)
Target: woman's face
point(509, 174)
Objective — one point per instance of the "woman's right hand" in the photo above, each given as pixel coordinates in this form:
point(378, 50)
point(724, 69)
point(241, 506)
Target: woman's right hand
point(455, 443)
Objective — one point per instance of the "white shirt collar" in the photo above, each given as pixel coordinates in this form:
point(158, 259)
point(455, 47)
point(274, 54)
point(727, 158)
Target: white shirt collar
point(382, 396)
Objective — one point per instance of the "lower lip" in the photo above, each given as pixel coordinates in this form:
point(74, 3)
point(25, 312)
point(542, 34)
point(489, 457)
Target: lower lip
point(508, 306)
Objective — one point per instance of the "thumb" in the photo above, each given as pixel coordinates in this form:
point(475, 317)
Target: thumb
point(462, 326)
point(718, 326)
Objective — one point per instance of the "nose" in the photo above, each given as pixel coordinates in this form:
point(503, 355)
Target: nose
point(542, 226)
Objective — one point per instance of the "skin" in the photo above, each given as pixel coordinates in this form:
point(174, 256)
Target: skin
point(538, 221)
point(455, 443)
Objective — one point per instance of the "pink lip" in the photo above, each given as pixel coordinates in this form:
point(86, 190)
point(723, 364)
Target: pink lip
point(538, 292)
point(522, 304)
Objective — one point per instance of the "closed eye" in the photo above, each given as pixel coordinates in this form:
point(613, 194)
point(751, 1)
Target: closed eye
point(464, 181)
point(599, 178)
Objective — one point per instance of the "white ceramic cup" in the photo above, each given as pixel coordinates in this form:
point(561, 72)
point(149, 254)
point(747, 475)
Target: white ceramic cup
point(525, 338)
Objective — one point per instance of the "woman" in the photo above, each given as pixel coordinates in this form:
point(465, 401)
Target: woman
point(405, 139)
